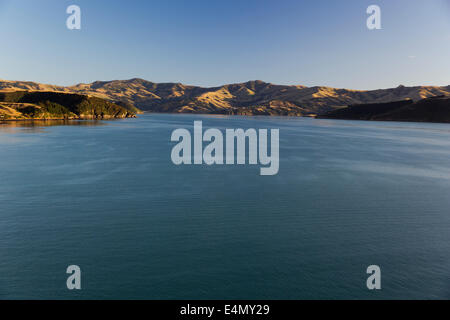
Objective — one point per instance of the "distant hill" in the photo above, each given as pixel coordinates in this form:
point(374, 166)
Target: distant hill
point(435, 109)
point(22, 105)
point(249, 98)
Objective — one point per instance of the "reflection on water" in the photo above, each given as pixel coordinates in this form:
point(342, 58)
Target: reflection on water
point(37, 125)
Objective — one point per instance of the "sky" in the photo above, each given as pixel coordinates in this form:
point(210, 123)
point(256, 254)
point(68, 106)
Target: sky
point(214, 42)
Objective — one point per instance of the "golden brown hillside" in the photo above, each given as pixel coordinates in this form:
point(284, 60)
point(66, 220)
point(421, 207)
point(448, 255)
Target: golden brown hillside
point(249, 98)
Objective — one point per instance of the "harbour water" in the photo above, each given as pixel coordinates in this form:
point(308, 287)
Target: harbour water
point(106, 196)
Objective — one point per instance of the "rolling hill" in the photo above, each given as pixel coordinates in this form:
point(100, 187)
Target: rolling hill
point(249, 98)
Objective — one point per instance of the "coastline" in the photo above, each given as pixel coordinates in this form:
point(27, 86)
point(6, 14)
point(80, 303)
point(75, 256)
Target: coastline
point(68, 119)
point(315, 117)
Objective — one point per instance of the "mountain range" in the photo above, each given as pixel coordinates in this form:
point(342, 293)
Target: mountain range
point(249, 98)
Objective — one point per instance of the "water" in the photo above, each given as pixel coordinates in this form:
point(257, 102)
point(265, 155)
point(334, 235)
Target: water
point(107, 197)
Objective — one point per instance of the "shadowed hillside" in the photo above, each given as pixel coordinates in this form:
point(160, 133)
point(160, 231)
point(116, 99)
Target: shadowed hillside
point(249, 98)
point(435, 109)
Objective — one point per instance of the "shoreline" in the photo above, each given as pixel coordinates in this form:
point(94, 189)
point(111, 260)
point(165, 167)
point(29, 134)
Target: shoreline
point(315, 117)
point(68, 119)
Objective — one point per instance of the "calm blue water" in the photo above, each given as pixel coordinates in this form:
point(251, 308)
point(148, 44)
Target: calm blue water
point(107, 197)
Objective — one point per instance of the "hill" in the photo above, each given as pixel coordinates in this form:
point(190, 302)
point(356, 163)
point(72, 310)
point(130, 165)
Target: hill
point(22, 105)
point(249, 98)
point(434, 109)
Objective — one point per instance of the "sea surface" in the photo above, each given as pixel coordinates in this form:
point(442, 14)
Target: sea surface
point(106, 196)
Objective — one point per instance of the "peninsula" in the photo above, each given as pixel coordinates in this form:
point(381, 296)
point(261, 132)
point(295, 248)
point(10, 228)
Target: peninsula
point(42, 105)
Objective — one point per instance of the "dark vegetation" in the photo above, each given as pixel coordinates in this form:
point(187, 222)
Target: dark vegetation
point(434, 109)
point(59, 105)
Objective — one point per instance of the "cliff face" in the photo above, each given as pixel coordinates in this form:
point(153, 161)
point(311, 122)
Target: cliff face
point(435, 109)
point(249, 98)
point(22, 105)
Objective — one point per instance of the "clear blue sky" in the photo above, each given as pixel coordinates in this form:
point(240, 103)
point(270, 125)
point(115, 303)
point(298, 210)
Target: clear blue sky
point(212, 42)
